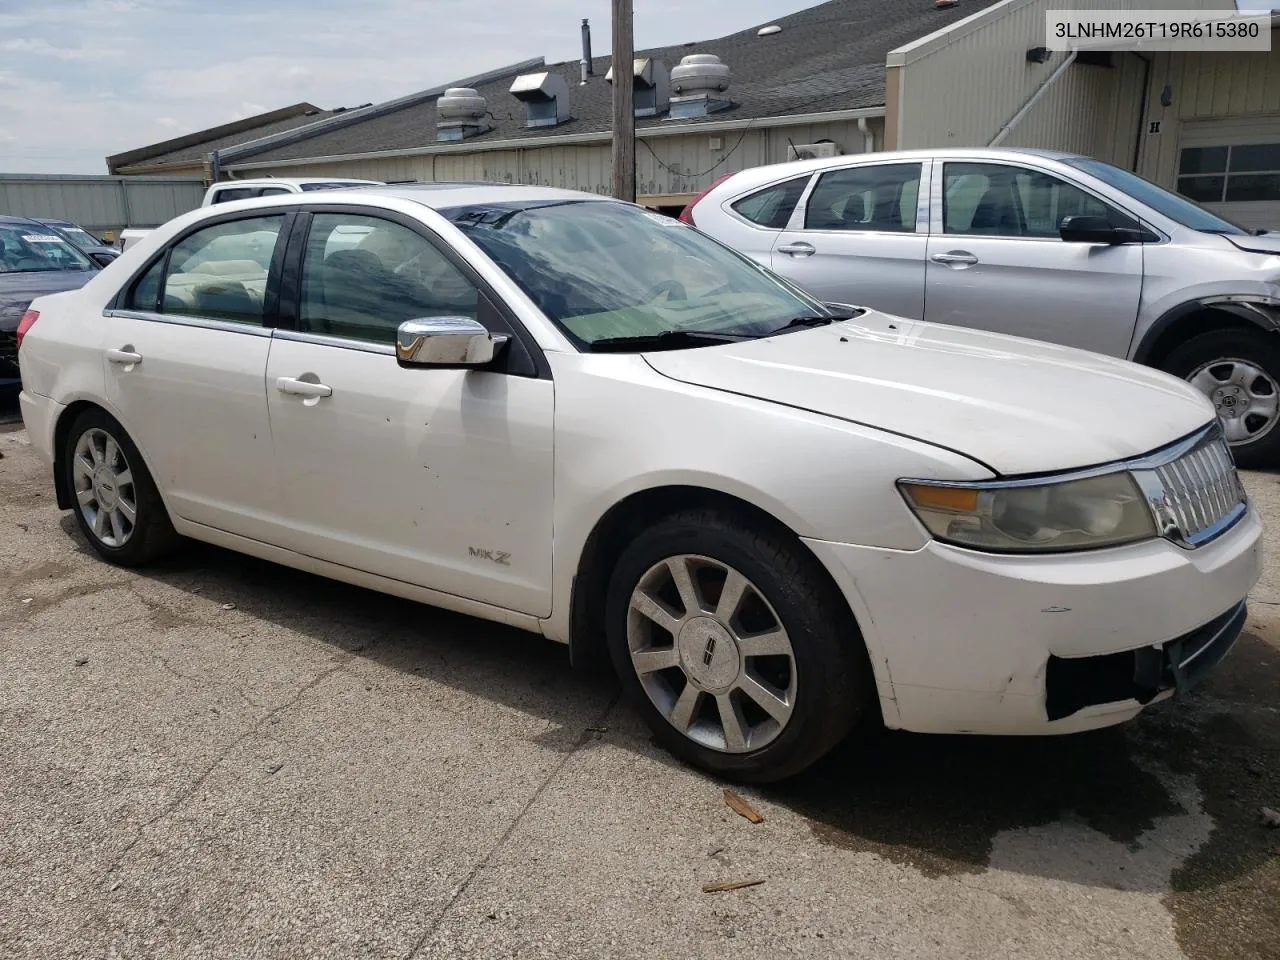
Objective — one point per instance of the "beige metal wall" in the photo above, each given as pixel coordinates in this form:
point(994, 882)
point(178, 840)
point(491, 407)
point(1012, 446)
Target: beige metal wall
point(1243, 87)
point(961, 86)
point(99, 203)
point(671, 166)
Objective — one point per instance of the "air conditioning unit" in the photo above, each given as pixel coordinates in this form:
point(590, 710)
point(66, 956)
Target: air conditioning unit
point(812, 151)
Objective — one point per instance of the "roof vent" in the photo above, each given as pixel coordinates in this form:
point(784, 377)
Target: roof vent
point(695, 84)
point(652, 86)
point(768, 31)
point(461, 113)
point(545, 96)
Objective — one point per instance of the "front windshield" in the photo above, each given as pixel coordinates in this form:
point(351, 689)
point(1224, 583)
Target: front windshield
point(32, 248)
point(83, 239)
point(605, 271)
point(1176, 208)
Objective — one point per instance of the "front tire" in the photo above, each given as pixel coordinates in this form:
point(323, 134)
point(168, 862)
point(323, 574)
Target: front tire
point(1239, 370)
point(734, 647)
point(115, 499)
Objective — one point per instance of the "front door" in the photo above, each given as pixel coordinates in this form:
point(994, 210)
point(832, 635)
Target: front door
point(185, 358)
point(439, 478)
point(859, 239)
point(996, 260)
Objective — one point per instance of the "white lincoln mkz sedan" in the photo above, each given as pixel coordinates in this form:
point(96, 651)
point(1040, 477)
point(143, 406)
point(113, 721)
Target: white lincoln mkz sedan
point(575, 416)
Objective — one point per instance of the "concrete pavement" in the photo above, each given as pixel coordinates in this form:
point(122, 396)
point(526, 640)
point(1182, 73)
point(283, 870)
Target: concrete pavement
point(223, 758)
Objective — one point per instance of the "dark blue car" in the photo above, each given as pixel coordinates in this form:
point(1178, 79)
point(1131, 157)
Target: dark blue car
point(34, 260)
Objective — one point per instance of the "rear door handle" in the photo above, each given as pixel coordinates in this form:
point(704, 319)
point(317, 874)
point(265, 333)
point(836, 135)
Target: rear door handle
point(303, 388)
point(956, 258)
point(797, 249)
point(126, 358)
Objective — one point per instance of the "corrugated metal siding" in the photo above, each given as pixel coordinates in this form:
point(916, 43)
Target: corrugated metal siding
point(99, 203)
point(664, 165)
point(1243, 87)
point(960, 92)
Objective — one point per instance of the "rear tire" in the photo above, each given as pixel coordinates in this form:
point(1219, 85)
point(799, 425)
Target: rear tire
point(734, 647)
point(1239, 370)
point(114, 497)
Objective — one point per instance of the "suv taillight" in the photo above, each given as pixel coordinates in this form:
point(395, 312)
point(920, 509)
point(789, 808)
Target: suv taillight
point(686, 215)
point(26, 323)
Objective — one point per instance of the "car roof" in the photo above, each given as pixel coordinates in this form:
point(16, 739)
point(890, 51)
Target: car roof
point(18, 221)
point(294, 181)
point(442, 195)
point(54, 221)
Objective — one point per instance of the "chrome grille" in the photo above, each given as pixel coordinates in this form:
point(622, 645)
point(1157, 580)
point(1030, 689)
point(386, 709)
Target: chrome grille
point(1197, 494)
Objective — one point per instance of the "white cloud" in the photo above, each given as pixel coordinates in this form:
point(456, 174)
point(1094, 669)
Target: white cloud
point(176, 66)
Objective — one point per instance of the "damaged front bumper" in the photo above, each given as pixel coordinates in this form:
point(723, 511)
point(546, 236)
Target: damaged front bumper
point(966, 642)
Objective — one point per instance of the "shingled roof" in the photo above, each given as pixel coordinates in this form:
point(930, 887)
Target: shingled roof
point(196, 146)
point(826, 58)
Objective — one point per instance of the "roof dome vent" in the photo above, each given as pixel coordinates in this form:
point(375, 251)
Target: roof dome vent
point(461, 113)
point(696, 84)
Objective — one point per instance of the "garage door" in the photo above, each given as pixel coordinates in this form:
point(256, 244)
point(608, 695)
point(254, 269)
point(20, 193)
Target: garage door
point(1233, 168)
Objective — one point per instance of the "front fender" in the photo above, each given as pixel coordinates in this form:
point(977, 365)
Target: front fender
point(1258, 310)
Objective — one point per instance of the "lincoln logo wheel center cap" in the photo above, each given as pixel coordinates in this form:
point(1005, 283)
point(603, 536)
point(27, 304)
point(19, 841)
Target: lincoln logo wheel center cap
point(708, 654)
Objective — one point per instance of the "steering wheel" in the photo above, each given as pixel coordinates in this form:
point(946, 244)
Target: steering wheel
point(674, 290)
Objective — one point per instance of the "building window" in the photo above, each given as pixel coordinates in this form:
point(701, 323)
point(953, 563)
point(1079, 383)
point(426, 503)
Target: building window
point(1235, 174)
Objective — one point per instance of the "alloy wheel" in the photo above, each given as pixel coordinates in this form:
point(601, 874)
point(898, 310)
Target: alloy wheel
point(104, 488)
point(711, 653)
point(1247, 398)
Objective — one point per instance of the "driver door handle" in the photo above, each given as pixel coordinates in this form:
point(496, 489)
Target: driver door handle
point(797, 249)
point(303, 388)
point(124, 357)
point(956, 257)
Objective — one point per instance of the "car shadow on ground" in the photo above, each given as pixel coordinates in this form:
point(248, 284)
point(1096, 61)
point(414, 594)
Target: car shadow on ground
point(936, 803)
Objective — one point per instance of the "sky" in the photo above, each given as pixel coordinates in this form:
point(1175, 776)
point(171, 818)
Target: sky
point(83, 79)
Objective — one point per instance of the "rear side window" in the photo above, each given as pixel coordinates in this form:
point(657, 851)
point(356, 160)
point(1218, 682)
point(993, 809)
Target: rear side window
point(272, 191)
point(880, 197)
point(221, 271)
point(773, 206)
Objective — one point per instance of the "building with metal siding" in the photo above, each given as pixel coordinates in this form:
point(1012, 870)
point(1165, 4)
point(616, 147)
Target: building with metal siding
point(100, 204)
point(863, 74)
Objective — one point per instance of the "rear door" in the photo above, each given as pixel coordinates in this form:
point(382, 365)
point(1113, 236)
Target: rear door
point(185, 355)
point(997, 262)
point(859, 237)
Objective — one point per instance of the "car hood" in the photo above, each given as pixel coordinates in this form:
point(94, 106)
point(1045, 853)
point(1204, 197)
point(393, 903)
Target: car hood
point(17, 290)
point(1267, 243)
point(1017, 406)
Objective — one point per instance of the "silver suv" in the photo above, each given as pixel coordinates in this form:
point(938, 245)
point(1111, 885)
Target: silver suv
point(1051, 246)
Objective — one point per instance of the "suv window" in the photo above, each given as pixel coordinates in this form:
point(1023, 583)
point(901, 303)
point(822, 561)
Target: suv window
point(879, 197)
point(219, 271)
point(363, 276)
point(772, 206)
point(273, 191)
point(232, 193)
point(997, 200)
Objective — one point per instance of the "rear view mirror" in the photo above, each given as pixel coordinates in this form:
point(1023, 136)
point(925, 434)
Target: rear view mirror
point(102, 258)
point(1095, 230)
point(447, 342)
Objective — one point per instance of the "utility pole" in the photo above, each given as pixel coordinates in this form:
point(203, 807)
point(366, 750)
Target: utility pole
point(624, 118)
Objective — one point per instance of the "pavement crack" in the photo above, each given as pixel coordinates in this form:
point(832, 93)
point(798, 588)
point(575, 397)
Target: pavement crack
point(221, 758)
point(588, 734)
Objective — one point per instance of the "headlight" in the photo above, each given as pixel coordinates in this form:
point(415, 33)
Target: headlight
point(1024, 517)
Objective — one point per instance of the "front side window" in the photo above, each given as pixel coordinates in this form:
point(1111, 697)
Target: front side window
point(772, 206)
point(604, 271)
point(879, 197)
point(35, 248)
point(221, 271)
point(364, 276)
point(997, 200)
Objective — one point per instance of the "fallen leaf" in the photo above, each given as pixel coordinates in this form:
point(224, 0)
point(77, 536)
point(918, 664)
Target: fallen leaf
point(228, 606)
point(27, 599)
point(1270, 817)
point(81, 661)
point(731, 885)
point(741, 807)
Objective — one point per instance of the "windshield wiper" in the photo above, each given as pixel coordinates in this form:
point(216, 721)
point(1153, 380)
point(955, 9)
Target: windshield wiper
point(815, 320)
point(668, 340)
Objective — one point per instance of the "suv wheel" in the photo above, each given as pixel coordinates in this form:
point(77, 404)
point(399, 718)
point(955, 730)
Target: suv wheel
point(739, 655)
point(1239, 370)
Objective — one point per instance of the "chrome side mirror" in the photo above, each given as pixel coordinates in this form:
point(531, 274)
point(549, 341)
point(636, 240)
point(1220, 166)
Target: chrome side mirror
point(450, 342)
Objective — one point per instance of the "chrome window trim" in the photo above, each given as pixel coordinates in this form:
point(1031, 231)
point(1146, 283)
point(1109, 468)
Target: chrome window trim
point(342, 343)
point(190, 320)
